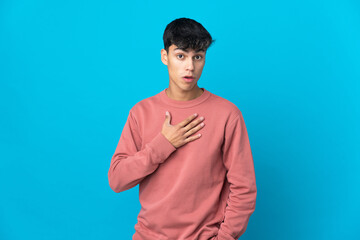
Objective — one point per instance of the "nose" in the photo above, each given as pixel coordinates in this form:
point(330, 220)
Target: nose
point(190, 65)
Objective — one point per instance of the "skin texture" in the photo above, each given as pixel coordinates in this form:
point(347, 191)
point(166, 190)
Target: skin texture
point(182, 63)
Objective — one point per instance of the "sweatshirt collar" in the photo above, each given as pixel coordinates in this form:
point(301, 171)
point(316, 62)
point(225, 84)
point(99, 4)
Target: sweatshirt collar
point(184, 104)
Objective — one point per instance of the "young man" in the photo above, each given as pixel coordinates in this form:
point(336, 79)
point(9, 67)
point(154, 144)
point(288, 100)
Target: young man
point(195, 172)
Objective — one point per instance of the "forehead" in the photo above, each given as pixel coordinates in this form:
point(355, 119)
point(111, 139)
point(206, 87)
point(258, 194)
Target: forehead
point(176, 48)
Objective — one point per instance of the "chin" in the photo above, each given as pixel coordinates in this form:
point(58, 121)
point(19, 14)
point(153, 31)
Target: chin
point(189, 85)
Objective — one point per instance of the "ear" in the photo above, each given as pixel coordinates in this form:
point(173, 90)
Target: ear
point(164, 56)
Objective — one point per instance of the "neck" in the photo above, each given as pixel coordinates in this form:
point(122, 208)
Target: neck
point(184, 95)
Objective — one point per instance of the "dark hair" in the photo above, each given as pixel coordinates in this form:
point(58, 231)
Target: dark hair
point(186, 33)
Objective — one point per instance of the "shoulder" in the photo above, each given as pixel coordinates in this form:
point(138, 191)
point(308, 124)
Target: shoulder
point(144, 105)
point(225, 107)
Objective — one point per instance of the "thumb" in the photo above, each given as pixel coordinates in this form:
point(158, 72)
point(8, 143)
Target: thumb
point(167, 117)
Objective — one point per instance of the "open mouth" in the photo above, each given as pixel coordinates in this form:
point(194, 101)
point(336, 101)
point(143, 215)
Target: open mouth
point(188, 78)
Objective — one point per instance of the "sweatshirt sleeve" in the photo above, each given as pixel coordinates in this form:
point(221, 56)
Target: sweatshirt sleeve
point(238, 161)
point(130, 165)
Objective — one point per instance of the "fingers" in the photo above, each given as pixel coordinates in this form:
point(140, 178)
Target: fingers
point(194, 123)
point(193, 129)
point(192, 138)
point(167, 117)
point(187, 120)
point(183, 132)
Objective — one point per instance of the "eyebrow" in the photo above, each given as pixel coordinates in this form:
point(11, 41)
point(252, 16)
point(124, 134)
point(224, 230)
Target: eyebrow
point(183, 49)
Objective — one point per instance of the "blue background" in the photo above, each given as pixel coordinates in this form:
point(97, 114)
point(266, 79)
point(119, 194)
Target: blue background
point(71, 70)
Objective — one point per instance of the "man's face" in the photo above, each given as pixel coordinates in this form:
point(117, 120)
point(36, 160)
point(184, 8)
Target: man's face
point(183, 63)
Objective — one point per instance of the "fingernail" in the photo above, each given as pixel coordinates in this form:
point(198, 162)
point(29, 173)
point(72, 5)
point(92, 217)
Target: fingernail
point(195, 114)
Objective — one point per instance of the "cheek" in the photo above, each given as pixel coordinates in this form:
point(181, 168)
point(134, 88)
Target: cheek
point(176, 67)
point(200, 67)
point(173, 71)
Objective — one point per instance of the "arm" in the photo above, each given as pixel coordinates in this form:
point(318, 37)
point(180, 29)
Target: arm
point(129, 165)
point(237, 158)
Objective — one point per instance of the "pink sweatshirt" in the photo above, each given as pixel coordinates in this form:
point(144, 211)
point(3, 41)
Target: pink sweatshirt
point(205, 189)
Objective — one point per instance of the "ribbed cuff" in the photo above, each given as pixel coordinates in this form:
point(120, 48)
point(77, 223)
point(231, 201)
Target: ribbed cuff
point(161, 147)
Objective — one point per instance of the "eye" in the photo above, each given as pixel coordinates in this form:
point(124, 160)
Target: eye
point(200, 57)
point(179, 55)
